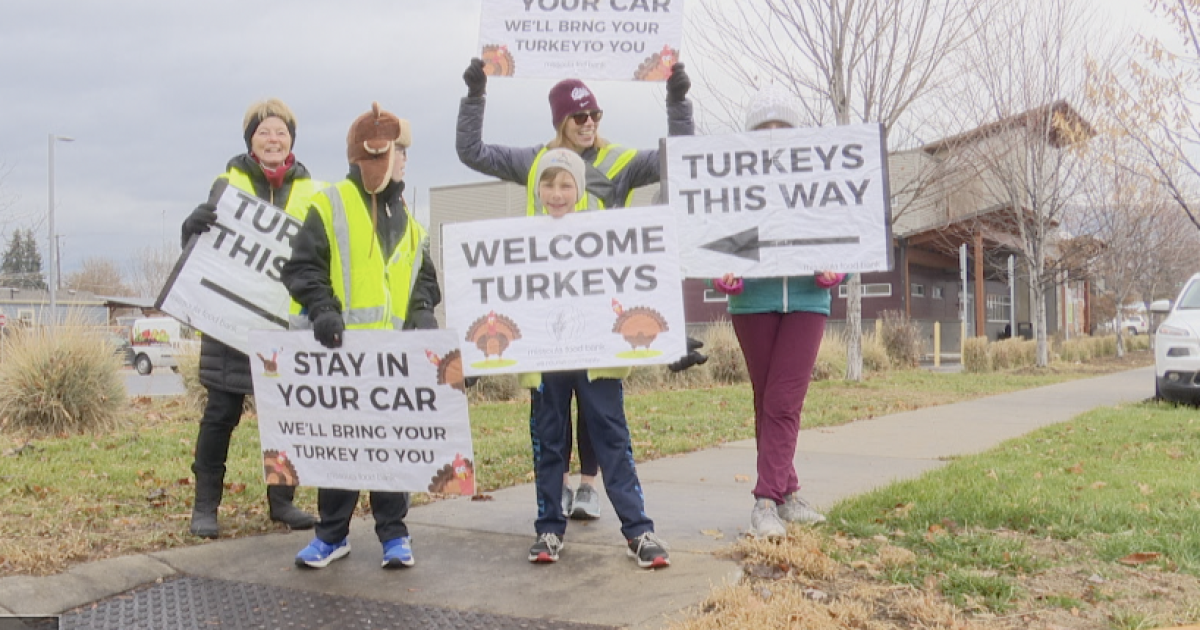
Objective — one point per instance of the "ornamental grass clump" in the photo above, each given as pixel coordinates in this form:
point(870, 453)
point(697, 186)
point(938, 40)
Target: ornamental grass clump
point(65, 380)
point(901, 337)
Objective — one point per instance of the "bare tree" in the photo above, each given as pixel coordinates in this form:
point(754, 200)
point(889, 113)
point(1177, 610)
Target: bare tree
point(101, 276)
point(844, 60)
point(151, 269)
point(1029, 67)
point(1151, 99)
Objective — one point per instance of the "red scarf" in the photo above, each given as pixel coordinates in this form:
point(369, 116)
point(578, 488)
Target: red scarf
point(275, 175)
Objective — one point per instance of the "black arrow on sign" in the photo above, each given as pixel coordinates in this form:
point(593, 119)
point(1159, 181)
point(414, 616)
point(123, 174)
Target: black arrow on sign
point(747, 244)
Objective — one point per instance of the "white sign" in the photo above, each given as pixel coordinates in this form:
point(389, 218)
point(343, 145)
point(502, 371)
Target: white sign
point(624, 40)
point(386, 411)
point(589, 290)
point(226, 283)
point(781, 202)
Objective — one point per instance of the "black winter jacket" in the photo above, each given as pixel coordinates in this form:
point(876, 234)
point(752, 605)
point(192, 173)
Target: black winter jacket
point(221, 367)
point(306, 274)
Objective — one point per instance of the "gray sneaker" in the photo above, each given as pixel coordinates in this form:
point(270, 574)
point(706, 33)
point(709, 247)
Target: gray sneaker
point(586, 505)
point(797, 510)
point(765, 521)
point(568, 500)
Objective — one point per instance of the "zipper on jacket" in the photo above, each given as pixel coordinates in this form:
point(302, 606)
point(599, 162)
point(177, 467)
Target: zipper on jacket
point(785, 293)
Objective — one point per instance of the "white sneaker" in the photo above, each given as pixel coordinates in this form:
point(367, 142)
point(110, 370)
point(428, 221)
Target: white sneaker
point(586, 505)
point(765, 522)
point(797, 510)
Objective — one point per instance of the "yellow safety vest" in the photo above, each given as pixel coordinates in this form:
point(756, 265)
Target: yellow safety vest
point(374, 292)
point(296, 207)
point(610, 160)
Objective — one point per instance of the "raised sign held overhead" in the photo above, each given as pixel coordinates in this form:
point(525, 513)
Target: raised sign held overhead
point(629, 40)
point(781, 202)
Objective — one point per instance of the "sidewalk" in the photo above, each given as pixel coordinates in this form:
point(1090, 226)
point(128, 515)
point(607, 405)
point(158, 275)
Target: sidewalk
point(471, 555)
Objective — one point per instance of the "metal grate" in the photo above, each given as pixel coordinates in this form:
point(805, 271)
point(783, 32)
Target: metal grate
point(193, 602)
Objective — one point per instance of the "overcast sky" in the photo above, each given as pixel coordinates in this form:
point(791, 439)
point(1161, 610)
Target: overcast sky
point(154, 93)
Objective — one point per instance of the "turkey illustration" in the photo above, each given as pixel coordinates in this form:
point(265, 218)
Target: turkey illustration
point(449, 368)
point(457, 477)
point(657, 67)
point(492, 334)
point(639, 326)
point(497, 61)
point(278, 469)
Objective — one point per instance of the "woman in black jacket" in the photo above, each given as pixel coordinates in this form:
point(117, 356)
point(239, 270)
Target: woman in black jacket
point(269, 171)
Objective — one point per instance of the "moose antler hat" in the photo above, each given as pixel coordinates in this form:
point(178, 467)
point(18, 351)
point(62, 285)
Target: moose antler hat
point(371, 145)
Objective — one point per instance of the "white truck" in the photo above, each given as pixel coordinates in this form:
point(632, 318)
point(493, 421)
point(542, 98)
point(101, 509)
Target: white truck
point(155, 342)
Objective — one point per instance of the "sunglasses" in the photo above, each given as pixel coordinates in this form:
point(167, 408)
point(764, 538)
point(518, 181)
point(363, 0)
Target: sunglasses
point(582, 117)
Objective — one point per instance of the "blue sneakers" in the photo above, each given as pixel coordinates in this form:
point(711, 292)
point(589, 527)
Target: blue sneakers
point(318, 554)
point(397, 553)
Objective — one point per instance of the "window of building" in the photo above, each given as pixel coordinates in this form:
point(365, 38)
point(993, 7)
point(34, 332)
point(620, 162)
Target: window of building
point(712, 295)
point(917, 290)
point(25, 316)
point(937, 293)
point(997, 308)
point(882, 289)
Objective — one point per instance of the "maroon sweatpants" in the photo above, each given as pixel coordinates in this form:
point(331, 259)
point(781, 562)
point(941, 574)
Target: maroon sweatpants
point(780, 351)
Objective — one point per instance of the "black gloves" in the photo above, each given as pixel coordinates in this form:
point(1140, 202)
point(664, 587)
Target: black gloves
point(678, 84)
point(421, 319)
point(328, 326)
point(475, 79)
point(691, 358)
point(200, 220)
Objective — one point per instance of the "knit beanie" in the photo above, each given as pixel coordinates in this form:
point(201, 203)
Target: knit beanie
point(772, 104)
point(371, 145)
point(570, 96)
point(567, 160)
point(263, 110)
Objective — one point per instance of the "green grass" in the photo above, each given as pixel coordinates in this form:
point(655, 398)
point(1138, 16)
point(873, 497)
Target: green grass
point(72, 499)
point(1119, 480)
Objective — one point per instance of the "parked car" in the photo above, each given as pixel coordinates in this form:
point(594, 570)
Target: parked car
point(1177, 346)
point(156, 341)
point(1135, 324)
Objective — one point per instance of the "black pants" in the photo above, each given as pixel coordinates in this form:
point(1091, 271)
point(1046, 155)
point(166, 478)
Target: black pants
point(221, 415)
point(337, 506)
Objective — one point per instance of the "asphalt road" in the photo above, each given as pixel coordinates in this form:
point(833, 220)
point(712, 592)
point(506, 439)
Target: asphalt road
point(158, 383)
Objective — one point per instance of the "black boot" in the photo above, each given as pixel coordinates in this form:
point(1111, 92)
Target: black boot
point(283, 511)
point(204, 509)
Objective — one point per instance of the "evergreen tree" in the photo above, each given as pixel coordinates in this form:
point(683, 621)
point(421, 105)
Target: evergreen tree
point(22, 266)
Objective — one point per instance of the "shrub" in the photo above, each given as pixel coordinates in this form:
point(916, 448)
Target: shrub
point(975, 355)
point(61, 380)
point(726, 365)
point(499, 388)
point(875, 355)
point(901, 338)
point(831, 358)
point(1012, 353)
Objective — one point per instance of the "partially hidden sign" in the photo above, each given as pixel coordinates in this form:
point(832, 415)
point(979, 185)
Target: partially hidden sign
point(386, 411)
point(226, 283)
point(589, 290)
point(781, 202)
point(624, 40)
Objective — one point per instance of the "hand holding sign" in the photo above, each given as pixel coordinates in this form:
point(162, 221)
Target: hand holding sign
point(475, 78)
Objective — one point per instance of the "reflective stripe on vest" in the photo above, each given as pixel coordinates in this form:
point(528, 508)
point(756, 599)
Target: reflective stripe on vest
point(374, 293)
point(297, 207)
point(610, 160)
